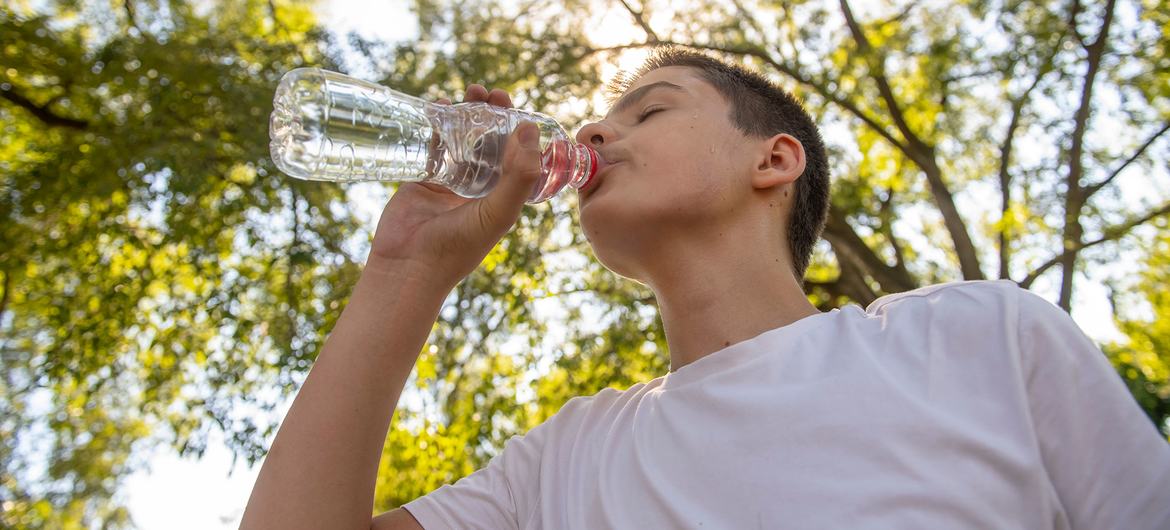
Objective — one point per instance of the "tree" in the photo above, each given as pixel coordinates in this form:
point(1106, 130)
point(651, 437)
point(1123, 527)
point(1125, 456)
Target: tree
point(158, 274)
point(161, 280)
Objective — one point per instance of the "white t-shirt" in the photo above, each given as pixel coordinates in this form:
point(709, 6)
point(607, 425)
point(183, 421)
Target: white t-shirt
point(962, 405)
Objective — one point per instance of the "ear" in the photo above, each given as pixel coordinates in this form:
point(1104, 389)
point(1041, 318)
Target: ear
point(781, 162)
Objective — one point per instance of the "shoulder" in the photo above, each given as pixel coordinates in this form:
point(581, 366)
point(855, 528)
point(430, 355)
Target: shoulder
point(955, 298)
point(593, 409)
point(965, 311)
point(975, 307)
point(609, 397)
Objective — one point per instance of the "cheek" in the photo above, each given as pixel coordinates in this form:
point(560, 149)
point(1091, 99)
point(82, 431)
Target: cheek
point(675, 153)
point(695, 155)
point(687, 161)
point(688, 186)
point(708, 173)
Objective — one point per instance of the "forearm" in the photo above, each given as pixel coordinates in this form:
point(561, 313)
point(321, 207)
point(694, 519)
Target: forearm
point(320, 471)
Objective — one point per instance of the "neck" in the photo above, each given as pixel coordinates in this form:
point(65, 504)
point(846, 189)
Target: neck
point(710, 304)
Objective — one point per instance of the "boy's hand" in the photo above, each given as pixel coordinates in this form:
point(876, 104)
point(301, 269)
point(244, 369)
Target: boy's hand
point(438, 237)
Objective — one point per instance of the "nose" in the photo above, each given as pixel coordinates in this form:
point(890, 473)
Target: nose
point(595, 135)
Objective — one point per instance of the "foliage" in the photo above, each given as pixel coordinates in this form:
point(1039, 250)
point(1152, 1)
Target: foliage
point(154, 286)
point(1144, 360)
point(162, 281)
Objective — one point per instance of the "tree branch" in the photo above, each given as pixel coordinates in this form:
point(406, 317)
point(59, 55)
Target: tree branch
point(276, 19)
point(1072, 23)
point(849, 283)
point(7, 291)
point(1005, 155)
point(1090, 190)
point(1112, 233)
point(920, 152)
point(851, 279)
point(877, 63)
point(849, 246)
point(128, 7)
point(887, 216)
point(788, 30)
point(905, 12)
point(289, 290)
point(832, 287)
point(969, 75)
point(1074, 199)
point(42, 112)
point(1005, 181)
point(641, 20)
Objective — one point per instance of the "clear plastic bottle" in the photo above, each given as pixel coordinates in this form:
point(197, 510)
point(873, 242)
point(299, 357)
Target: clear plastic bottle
point(329, 126)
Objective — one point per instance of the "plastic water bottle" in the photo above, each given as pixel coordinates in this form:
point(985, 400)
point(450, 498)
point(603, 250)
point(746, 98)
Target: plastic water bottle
point(329, 126)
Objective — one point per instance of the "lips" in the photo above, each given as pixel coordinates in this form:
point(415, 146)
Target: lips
point(602, 165)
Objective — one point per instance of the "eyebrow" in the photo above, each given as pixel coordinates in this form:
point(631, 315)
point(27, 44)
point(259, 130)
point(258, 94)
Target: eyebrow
point(641, 92)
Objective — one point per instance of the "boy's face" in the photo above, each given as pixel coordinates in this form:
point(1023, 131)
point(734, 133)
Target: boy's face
point(675, 172)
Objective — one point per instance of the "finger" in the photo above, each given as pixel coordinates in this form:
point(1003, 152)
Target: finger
point(518, 177)
point(499, 98)
point(476, 92)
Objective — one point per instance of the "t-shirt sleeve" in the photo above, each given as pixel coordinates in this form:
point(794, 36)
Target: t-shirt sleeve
point(1107, 461)
point(501, 495)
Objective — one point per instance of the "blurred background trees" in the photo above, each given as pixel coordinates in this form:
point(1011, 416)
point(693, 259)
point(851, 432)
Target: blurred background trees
point(161, 281)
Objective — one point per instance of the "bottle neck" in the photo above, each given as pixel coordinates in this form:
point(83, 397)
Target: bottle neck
point(584, 165)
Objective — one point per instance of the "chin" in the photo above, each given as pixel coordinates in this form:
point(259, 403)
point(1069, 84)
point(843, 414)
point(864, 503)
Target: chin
point(614, 248)
point(623, 225)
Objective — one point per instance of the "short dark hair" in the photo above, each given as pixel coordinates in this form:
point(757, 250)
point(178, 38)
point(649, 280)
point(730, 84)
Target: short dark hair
point(763, 109)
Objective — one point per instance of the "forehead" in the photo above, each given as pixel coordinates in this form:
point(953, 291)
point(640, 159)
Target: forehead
point(681, 75)
point(690, 79)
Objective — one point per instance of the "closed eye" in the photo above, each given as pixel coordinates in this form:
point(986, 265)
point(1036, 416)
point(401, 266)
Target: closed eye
point(646, 113)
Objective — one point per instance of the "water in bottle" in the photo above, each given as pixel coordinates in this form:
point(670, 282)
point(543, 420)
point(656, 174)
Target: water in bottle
point(329, 126)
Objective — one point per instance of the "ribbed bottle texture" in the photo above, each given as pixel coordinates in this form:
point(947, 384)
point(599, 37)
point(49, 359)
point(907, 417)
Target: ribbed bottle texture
point(329, 126)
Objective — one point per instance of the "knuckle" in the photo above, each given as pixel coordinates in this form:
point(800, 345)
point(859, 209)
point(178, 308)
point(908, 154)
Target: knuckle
point(528, 172)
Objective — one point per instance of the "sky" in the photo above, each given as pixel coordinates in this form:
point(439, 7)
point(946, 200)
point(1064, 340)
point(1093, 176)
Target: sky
point(211, 493)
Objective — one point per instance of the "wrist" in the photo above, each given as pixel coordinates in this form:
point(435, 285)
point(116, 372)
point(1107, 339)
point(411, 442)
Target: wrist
point(405, 274)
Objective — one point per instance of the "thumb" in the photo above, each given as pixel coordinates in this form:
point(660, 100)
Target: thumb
point(518, 175)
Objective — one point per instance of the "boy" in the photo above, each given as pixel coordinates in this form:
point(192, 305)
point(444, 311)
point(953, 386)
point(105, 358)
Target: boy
point(964, 405)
